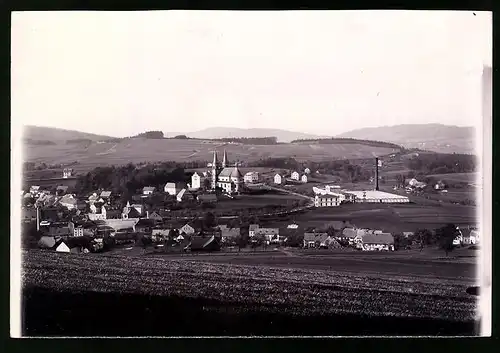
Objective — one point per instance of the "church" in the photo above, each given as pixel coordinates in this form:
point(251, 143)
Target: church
point(222, 175)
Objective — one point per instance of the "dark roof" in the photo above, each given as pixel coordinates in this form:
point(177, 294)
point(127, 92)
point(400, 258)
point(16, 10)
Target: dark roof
point(350, 232)
point(384, 238)
point(155, 215)
point(59, 230)
point(199, 243)
point(321, 237)
point(145, 222)
point(207, 197)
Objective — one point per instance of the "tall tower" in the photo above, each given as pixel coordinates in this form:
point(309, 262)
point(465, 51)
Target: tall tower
point(224, 160)
point(376, 173)
point(215, 171)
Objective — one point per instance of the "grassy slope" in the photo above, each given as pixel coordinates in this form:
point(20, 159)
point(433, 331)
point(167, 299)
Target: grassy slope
point(139, 150)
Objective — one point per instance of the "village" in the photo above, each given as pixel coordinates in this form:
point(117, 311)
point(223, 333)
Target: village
point(98, 222)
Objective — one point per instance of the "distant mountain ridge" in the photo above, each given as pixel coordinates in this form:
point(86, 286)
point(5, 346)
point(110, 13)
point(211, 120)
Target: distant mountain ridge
point(42, 133)
point(432, 137)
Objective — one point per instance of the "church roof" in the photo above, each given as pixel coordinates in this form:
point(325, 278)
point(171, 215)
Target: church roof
point(230, 172)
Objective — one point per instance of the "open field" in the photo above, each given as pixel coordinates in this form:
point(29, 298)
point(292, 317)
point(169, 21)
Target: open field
point(392, 218)
point(93, 154)
point(247, 201)
point(67, 294)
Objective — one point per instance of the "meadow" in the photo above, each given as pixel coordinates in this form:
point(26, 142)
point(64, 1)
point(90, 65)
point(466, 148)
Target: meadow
point(68, 294)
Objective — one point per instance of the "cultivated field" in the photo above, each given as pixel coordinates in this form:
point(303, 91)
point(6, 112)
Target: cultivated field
point(392, 218)
point(335, 296)
point(90, 155)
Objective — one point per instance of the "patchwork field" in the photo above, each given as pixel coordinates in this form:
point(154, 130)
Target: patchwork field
point(93, 154)
point(164, 296)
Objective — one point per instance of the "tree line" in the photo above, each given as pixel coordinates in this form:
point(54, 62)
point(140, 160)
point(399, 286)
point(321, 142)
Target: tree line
point(337, 140)
point(126, 180)
point(440, 163)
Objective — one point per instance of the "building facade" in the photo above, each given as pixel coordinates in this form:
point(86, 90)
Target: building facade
point(326, 200)
point(251, 177)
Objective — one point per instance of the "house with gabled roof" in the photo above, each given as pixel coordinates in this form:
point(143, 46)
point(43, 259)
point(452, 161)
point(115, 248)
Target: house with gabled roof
point(315, 240)
point(373, 242)
point(207, 198)
point(148, 190)
point(197, 243)
point(279, 179)
point(174, 188)
point(105, 195)
point(187, 229)
point(295, 175)
point(62, 189)
point(251, 229)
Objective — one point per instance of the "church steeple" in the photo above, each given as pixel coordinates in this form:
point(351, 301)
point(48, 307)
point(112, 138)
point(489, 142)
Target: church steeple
point(214, 163)
point(215, 171)
point(224, 160)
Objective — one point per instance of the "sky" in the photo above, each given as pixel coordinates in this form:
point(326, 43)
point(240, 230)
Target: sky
point(323, 72)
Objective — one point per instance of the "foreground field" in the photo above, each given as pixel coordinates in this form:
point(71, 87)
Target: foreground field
point(95, 154)
point(163, 293)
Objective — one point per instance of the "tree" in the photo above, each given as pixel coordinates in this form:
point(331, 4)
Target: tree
point(424, 237)
point(209, 221)
point(207, 184)
point(446, 235)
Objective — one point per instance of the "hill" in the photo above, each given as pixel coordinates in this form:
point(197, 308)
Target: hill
point(433, 137)
point(98, 153)
point(226, 132)
point(40, 133)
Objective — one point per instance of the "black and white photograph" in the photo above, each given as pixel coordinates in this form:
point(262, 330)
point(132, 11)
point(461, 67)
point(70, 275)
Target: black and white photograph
point(251, 174)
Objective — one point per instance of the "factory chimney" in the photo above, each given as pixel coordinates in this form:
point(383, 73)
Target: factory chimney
point(37, 218)
point(376, 174)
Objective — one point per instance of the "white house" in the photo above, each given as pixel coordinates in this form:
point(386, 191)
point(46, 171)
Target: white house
point(63, 248)
point(173, 188)
point(67, 173)
point(278, 179)
point(251, 229)
point(295, 175)
point(68, 201)
point(307, 171)
point(148, 190)
point(303, 178)
point(187, 229)
point(326, 200)
point(78, 232)
point(373, 242)
point(251, 177)
point(94, 216)
point(197, 180)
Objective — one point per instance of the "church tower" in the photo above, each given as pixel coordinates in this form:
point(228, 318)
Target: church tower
point(215, 171)
point(224, 160)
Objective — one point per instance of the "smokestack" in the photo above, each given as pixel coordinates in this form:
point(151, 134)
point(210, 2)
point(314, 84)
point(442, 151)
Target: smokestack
point(37, 218)
point(376, 174)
